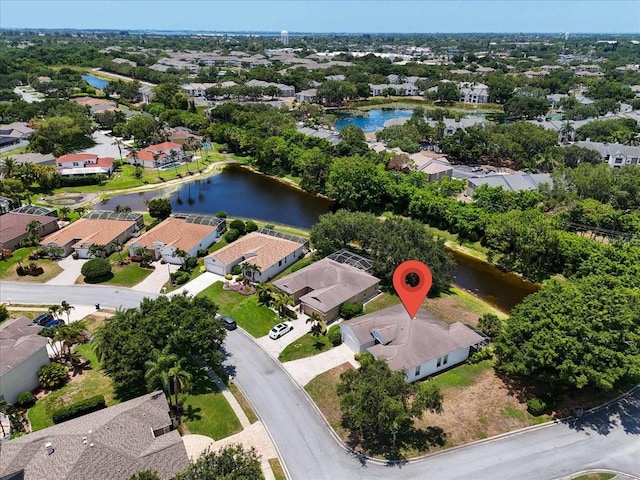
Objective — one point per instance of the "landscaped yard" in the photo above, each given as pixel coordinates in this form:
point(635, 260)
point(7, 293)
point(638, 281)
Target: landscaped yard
point(305, 346)
point(206, 411)
point(126, 275)
point(255, 319)
point(322, 390)
point(91, 382)
point(8, 267)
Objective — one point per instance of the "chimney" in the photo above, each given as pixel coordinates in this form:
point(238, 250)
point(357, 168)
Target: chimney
point(48, 448)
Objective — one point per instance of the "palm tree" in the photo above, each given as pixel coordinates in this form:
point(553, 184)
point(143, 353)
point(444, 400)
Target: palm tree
point(156, 157)
point(118, 142)
point(64, 212)
point(167, 372)
point(122, 208)
point(97, 251)
point(174, 158)
point(8, 166)
point(182, 255)
point(265, 293)
point(318, 327)
point(80, 210)
point(33, 227)
point(134, 155)
point(70, 335)
point(55, 310)
point(249, 270)
point(281, 303)
point(66, 308)
point(117, 246)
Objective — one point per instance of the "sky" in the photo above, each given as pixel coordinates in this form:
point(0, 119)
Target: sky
point(319, 16)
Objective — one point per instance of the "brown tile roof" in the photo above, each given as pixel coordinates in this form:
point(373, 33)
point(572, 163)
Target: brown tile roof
point(90, 231)
point(13, 225)
point(19, 340)
point(332, 283)
point(122, 439)
point(176, 232)
point(411, 342)
point(257, 248)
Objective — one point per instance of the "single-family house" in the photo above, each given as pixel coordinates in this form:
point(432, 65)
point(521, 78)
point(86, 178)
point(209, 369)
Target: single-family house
point(308, 96)
point(435, 165)
point(158, 156)
point(421, 346)
point(196, 89)
point(614, 154)
point(285, 90)
point(182, 135)
point(269, 250)
point(186, 232)
point(324, 286)
point(16, 133)
point(22, 353)
point(13, 228)
point(100, 228)
point(35, 158)
point(514, 182)
point(114, 443)
point(82, 164)
point(331, 136)
point(96, 105)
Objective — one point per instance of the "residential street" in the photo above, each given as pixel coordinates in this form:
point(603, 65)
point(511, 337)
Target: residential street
point(608, 439)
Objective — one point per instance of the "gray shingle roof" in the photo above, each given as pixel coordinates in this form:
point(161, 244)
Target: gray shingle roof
point(410, 342)
point(18, 341)
point(331, 284)
point(123, 444)
point(514, 182)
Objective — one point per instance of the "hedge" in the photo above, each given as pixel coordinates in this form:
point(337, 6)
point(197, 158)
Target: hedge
point(91, 404)
point(80, 181)
point(334, 335)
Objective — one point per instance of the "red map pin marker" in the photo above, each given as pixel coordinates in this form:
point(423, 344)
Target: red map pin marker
point(412, 296)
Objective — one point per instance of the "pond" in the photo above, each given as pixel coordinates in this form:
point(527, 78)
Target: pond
point(242, 193)
point(95, 81)
point(372, 120)
point(239, 192)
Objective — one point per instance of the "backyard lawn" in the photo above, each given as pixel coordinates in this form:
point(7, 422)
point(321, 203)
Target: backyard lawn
point(91, 382)
point(206, 411)
point(255, 319)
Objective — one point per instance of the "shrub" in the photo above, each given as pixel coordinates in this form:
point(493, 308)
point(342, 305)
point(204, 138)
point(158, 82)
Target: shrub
point(334, 335)
point(228, 276)
point(53, 375)
point(190, 263)
point(79, 181)
point(481, 355)
point(91, 404)
point(251, 226)
point(152, 224)
point(180, 277)
point(238, 225)
point(490, 324)
point(270, 226)
point(159, 208)
point(232, 235)
point(25, 399)
point(350, 310)
point(356, 357)
point(536, 406)
point(96, 268)
point(203, 252)
point(221, 214)
point(236, 269)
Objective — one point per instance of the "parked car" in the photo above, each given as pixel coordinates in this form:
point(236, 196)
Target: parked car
point(476, 169)
point(229, 323)
point(280, 330)
point(53, 323)
point(43, 319)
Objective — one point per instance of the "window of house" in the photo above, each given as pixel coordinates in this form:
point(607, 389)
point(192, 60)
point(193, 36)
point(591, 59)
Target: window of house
point(445, 359)
point(279, 262)
point(417, 370)
point(439, 362)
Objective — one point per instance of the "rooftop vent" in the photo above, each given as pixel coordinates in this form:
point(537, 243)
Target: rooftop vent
point(48, 447)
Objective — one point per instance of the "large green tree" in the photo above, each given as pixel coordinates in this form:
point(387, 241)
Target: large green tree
point(230, 463)
point(376, 402)
point(575, 333)
point(60, 135)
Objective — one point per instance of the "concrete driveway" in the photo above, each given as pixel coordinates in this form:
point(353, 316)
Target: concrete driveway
point(70, 271)
point(154, 282)
point(275, 347)
point(198, 284)
point(306, 369)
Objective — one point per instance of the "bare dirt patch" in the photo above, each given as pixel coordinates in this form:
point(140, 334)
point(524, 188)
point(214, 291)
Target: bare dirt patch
point(449, 309)
point(482, 409)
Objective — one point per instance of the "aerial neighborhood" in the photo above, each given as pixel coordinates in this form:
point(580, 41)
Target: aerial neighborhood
point(199, 234)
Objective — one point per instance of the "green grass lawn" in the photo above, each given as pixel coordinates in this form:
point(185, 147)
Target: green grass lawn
point(462, 375)
point(244, 403)
point(305, 346)
point(384, 300)
point(20, 255)
point(91, 382)
point(277, 469)
point(255, 319)
point(128, 275)
point(206, 411)
point(475, 304)
point(8, 267)
point(595, 476)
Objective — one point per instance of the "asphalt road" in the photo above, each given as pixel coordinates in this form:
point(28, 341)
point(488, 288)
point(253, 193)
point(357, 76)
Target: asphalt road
point(606, 439)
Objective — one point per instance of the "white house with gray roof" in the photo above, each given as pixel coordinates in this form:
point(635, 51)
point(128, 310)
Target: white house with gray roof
point(421, 346)
point(114, 443)
point(614, 154)
point(22, 353)
point(514, 182)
